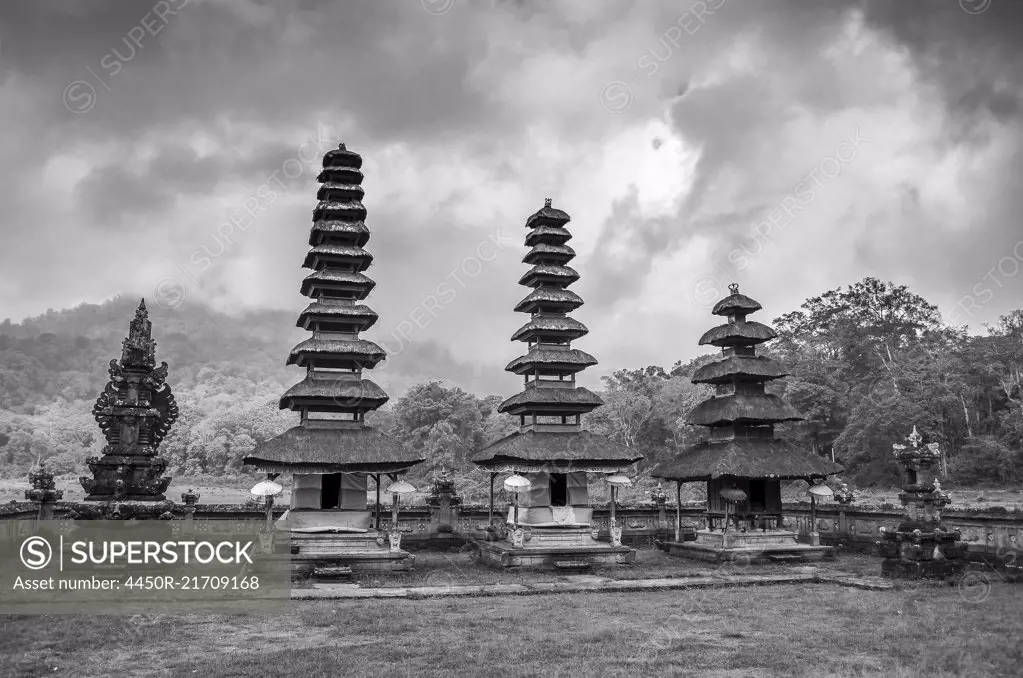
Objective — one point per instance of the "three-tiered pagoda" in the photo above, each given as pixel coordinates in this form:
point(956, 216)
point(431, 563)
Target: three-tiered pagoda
point(332, 452)
point(742, 461)
point(551, 523)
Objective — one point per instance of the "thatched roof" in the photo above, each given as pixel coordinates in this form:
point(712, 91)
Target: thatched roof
point(550, 325)
point(576, 400)
point(564, 275)
point(554, 295)
point(341, 175)
point(722, 371)
point(546, 251)
point(348, 253)
point(744, 333)
point(339, 209)
point(551, 357)
point(568, 448)
point(337, 312)
point(342, 157)
point(339, 190)
point(551, 235)
point(341, 278)
point(336, 392)
point(327, 450)
point(548, 216)
point(735, 303)
point(748, 408)
point(745, 457)
point(361, 350)
point(357, 230)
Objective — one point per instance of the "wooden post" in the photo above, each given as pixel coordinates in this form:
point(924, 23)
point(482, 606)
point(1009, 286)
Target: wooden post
point(490, 517)
point(612, 506)
point(377, 476)
point(678, 510)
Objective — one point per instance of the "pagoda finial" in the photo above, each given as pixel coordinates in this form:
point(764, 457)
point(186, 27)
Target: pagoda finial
point(734, 288)
point(139, 349)
point(341, 146)
point(546, 202)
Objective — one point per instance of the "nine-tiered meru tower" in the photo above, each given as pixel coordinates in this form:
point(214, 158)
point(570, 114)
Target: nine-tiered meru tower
point(551, 449)
point(742, 462)
point(332, 452)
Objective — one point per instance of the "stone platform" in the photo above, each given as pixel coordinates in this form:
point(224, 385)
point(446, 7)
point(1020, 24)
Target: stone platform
point(554, 547)
point(769, 546)
point(359, 551)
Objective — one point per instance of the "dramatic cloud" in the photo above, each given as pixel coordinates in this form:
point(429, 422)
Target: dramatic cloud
point(170, 149)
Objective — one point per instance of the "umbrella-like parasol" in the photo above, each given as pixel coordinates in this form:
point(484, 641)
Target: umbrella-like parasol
point(820, 491)
point(733, 495)
point(268, 489)
point(615, 481)
point(515, 484)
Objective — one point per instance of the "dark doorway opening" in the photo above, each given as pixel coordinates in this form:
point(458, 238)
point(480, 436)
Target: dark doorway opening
point(757, 495)
point(330, 494)
point(559, 489)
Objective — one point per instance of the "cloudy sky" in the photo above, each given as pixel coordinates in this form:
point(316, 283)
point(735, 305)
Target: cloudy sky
point(169, 149)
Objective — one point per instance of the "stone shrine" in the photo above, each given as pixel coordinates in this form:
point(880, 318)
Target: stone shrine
point(921, 546)
point(135, 411)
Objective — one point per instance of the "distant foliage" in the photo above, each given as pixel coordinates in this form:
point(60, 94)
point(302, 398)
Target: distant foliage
point(867, 362)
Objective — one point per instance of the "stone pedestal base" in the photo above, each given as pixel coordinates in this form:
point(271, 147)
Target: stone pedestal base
point(360, 552)
point(128, 477)
point(550, 546)
point(922, 569)
point(771, 546)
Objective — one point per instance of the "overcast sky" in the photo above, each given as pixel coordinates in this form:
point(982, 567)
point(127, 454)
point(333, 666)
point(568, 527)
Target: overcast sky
point(791, 146)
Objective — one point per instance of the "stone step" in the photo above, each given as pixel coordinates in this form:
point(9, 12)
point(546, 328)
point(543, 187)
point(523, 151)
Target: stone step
point(332, 571)
point(571, 565)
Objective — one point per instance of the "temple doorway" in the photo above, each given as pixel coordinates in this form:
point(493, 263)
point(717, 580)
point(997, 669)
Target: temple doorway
point(559, 489)
point(330, 493)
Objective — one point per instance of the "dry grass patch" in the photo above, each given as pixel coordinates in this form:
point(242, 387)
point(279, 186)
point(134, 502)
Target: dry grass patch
point(778, 630)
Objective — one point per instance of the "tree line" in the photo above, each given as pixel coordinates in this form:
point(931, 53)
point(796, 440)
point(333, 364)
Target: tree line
point(866, 363)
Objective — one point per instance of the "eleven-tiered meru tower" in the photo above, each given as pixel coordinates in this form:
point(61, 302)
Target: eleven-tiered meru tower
point(332, 451)
point(551, 448)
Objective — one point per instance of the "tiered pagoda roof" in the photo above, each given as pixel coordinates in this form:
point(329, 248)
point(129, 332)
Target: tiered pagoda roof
point(334, 397)
point(551, 405)
point(741, 415)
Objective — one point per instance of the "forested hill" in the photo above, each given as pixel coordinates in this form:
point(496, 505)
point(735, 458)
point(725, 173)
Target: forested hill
point(867, 362)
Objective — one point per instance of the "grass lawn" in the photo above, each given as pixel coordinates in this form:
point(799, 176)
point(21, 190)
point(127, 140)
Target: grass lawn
point(785, 630)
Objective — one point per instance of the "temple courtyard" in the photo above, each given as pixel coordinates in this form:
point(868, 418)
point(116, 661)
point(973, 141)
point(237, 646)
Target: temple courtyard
point(802, 628)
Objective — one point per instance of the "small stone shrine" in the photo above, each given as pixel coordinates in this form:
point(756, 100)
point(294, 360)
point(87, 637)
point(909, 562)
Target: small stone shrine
point(921, 546)
point(135, 411)
point(742, 462)
point(552, 524)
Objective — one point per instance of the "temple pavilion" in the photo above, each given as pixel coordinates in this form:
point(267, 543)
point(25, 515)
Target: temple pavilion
point(332, 453)
point(742, 461)
point(550, 455)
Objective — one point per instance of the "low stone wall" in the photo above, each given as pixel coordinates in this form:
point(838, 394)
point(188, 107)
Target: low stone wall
point(988, 534)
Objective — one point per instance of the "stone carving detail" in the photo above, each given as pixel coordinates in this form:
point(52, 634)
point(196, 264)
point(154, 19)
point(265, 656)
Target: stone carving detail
point(134, 411)
point(921, 545)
